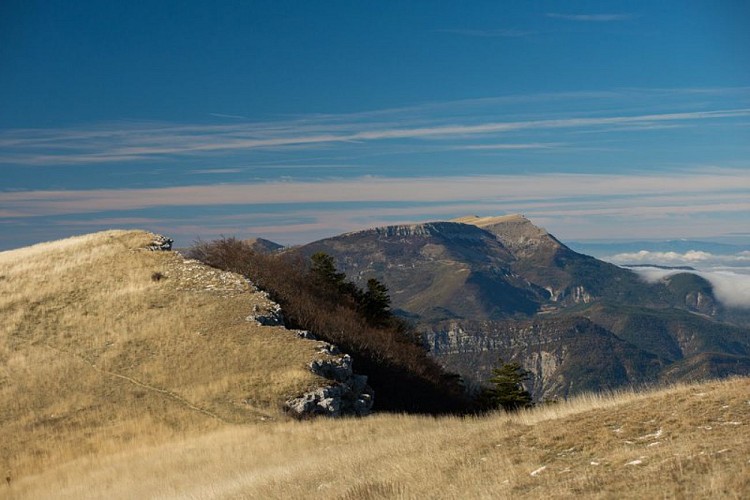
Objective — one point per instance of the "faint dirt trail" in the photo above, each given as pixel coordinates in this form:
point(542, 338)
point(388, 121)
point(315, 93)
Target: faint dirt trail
point(165, 392)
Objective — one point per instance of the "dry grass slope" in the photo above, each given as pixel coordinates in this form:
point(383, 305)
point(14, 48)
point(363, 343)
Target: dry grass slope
point(682, 442)
point(103, 343)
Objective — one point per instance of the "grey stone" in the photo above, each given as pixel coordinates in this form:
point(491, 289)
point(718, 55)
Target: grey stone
point(329, 349)
point(160, 243)
point(332, 401)
point(305, 334)
point(338, 369)
point(269, 317)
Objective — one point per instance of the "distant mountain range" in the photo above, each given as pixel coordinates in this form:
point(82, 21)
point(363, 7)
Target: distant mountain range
point(484, 289)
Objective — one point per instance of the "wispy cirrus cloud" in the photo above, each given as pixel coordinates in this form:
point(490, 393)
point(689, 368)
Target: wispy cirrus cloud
point(224, 115)
point(215, 171)
point(488, 33)
point(595, 18)
point(138, 142)
point(510, 146)
point(567, 194)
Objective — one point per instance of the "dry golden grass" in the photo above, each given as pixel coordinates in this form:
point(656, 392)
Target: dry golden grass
point(682, 442)
point(97, 351)
point(117, 386)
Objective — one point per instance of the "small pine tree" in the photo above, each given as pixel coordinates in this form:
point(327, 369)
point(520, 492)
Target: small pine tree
point(323, 269)
point(507, 389)
point(376, 303)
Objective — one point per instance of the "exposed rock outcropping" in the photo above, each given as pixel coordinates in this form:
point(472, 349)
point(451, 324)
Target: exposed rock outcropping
point(270, 316)
point(348, 393)
point(160, 243)
point(563, 355)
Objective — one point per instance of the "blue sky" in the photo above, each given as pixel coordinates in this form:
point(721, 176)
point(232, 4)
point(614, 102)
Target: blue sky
point(299, 120)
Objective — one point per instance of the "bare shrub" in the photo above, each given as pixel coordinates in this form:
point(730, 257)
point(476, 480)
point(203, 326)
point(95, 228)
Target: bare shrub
point(389, 351)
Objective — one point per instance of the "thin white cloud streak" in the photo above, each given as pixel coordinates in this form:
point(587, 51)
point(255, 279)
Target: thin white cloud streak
point(493, 33)
point(149, 143)
point(531, 145)
point(505, 188)
point(212, 171)
point(233, 117)
point(730, 288)
point(597, 18)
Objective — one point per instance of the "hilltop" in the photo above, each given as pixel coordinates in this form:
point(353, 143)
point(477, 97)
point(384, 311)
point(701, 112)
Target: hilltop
point(105, 342)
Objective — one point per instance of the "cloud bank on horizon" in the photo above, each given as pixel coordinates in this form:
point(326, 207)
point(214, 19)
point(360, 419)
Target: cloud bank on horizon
point(697, 258)
point(729, 274)
point(731, 288)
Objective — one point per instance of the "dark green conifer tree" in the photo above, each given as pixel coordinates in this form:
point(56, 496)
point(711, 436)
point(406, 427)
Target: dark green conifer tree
point(376, 303)
point(507, 389)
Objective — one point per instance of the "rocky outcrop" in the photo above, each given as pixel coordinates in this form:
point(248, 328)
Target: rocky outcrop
point(347, 394)
point(160, 243)
point(269, 316)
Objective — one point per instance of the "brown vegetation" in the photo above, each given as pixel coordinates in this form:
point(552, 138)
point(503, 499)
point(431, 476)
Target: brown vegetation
point(388, 351)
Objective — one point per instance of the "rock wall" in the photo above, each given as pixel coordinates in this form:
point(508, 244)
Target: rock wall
point(347, 394)
point(564, 355)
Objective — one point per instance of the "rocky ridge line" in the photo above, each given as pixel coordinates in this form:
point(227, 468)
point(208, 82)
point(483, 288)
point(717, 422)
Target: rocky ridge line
point(346, 394)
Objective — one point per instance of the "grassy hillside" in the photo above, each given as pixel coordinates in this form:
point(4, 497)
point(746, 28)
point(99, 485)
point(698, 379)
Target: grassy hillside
point(104, 343)
point(682, 442)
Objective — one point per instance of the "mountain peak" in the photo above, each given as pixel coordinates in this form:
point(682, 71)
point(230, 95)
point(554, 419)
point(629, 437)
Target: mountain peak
point(478, 221)
point(263, 245)
point(515, 231)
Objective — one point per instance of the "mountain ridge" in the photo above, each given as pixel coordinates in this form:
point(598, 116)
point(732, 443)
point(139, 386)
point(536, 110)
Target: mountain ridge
point(489, 274)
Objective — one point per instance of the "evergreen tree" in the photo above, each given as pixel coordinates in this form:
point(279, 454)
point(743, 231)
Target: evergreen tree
point(507, 389)
point(323, 270)
point(376, 302)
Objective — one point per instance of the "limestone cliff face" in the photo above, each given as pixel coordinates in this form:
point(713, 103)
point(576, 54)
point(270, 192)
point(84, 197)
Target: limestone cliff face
point(448, 230)
point(563, 355)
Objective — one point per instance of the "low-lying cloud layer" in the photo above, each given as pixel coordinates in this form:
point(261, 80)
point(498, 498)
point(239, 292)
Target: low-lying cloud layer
point(694, 258)
point(729, 274)
point(731, 288)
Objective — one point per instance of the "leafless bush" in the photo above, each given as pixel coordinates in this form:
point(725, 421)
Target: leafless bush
point(399, 368)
